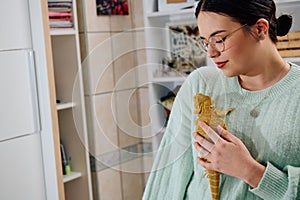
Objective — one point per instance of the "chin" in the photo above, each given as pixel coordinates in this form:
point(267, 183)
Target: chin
point(229, 73)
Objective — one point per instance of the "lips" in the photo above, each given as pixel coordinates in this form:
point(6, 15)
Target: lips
point(221, 64)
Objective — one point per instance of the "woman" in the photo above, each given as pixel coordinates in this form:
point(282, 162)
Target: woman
point(258, 157)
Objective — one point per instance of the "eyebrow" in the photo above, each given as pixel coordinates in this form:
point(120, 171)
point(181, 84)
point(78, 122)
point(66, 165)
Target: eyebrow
point(214, 33)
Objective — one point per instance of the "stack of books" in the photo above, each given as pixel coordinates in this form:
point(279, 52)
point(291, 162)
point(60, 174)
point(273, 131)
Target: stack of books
point(60, 13)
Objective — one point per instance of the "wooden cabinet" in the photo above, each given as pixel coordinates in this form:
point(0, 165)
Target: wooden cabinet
point(71, 109)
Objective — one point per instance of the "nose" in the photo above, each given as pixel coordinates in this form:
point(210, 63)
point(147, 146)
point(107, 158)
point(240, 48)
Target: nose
point(212, 52)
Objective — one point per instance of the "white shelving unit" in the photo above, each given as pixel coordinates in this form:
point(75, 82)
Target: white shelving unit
point(64, 31)
point(63, 106)
point(157, 47)
point(156, 14)
point(156, 37)
point(71, 112)
point(168, 79)
point(72, 176)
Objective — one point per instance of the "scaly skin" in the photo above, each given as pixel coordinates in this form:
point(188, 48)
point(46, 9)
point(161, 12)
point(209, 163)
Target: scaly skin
point(206, 112)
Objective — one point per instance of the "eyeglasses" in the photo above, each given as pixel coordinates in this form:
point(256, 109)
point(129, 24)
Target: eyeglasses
point(216, 42)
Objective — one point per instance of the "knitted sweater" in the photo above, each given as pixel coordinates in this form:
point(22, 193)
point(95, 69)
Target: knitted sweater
point(272, 136)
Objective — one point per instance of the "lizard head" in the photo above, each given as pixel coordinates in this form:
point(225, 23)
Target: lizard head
point(202, 103)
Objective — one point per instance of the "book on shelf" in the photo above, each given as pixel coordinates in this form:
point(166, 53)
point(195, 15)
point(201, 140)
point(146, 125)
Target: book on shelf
point(64, 160)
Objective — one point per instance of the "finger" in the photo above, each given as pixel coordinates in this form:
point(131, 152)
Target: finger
point(203, 152)
point(226, 134)
point(204, 163)
point(203, 142)
point(210, 132)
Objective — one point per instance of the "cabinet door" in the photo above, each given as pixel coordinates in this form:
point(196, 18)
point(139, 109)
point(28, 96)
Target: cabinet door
point(18, 102)
point(21, 170)
point(15, 26)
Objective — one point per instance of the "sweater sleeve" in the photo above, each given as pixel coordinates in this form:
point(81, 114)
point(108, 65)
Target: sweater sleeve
point(276, 184)
point(173, 166)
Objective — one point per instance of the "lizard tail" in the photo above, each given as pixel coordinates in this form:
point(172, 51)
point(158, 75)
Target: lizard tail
point(214, 181)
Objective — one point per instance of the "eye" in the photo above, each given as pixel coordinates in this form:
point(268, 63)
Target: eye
point(216, 40)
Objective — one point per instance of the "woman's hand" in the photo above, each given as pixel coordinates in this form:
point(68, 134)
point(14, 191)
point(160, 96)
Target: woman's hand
point(227, 154)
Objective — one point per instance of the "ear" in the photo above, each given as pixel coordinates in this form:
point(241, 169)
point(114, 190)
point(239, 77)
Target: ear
point(262, 28)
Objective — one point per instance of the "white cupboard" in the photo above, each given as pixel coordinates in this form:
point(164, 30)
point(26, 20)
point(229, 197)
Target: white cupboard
point(27, 149)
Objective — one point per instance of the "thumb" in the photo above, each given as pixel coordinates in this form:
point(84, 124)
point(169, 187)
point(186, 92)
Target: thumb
point(225, 134)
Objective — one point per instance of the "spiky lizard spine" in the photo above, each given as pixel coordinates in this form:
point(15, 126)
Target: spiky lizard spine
point(206, 112)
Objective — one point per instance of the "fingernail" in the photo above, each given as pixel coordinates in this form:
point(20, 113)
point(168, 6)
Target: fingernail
point(219, 128)
point(194, 134)
point(201, 124)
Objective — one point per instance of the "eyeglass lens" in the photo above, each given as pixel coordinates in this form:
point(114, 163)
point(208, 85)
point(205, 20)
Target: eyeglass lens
point(216, 42)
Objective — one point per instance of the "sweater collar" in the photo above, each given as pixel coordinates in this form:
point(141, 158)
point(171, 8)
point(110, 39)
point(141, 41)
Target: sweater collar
point(285, 84)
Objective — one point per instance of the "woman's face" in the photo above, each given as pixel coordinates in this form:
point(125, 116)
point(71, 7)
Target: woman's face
point(239, 46)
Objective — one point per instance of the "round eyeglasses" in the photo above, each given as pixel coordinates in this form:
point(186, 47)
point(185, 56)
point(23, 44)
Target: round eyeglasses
point(215, 41)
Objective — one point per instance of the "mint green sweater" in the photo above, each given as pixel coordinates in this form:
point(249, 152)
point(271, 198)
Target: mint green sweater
point(272, 138)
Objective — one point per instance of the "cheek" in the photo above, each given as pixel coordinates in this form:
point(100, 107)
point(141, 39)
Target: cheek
point(240, 53)
point(237, 48)
point(241, 45)
point(238, 58)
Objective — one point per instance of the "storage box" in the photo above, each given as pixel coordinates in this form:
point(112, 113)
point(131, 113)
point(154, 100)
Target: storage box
point(289, 45)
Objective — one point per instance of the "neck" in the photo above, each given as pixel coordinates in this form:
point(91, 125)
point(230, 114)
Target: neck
point(266, 75)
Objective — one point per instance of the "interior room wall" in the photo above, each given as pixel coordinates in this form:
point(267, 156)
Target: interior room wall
point(116, 94)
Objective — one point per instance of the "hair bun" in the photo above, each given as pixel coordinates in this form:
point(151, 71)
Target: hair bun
point(284, 24)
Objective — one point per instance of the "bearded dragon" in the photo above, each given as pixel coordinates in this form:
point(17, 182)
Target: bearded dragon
point(206, 112)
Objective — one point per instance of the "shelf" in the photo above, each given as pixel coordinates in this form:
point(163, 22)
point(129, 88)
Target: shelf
point(293, 59)
point(63, 106)
point(157, 14)
point(171, 13)
point(71, 177)
point(168, 79)
point(62, 31)
point(285, 1)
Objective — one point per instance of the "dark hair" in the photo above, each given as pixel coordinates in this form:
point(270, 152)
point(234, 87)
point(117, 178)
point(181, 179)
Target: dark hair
point(248, 12)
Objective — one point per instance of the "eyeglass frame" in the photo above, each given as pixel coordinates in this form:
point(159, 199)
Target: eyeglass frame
point(222, 40)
